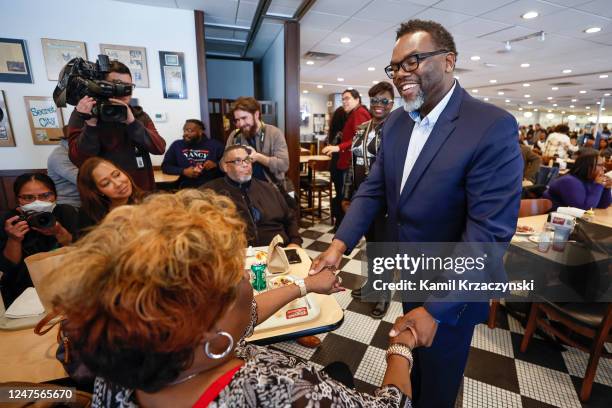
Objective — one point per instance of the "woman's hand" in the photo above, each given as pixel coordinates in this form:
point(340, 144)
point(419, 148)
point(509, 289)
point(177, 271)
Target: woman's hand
point(58, 231)
point(16, 230)
point(328, 150)
point(325, 282)
point(345, 205)
point(405, 337)
point(604, 181)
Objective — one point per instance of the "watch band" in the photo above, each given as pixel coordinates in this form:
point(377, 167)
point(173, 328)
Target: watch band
point(302, 285)
point(400, 350)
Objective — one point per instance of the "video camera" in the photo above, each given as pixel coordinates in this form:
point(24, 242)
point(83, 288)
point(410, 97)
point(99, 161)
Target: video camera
point(38, 219)
point(81, 78)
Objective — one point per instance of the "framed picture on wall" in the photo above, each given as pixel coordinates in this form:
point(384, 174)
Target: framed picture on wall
point(58, 52)
point(7, 139)
point(46, 122)
point(14, 61)
point(172, 65)
point(134, 57)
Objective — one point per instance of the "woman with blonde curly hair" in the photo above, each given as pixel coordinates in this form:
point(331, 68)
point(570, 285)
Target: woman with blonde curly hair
point(159, 304)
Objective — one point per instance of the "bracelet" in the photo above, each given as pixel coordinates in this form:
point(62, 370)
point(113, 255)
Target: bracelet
point(402, 350)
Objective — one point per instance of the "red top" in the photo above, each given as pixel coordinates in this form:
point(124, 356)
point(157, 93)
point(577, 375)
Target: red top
point(357, 116)
point(215, 388)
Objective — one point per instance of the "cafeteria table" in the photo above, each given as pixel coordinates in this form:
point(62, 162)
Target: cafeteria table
point(163, 178)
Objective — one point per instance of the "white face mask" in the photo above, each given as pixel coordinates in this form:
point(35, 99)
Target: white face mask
point(38, 206)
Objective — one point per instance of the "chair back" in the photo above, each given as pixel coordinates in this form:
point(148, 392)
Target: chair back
point(546, 175)
point(318, 165)
point(534, 207)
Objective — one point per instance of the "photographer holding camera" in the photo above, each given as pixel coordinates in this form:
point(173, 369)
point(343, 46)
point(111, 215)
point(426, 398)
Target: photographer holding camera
point(39, 224)
point(103, 123)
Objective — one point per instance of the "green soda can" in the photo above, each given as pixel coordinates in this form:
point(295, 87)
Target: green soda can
point(259, 276)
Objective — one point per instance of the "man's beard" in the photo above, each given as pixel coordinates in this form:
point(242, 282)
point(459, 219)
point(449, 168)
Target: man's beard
point(250, 131)
point(411, 106)
point(191, 142)
point(244, 179)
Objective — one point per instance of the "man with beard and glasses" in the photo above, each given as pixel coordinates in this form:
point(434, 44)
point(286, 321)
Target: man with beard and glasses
point(449, 170)
point(261, 205)
point(266, 143)
point(195, 158)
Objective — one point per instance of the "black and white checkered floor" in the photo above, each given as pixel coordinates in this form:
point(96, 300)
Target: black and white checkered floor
point(497, 373)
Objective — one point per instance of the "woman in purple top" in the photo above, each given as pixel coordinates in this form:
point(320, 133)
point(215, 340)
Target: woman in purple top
point(584, 187)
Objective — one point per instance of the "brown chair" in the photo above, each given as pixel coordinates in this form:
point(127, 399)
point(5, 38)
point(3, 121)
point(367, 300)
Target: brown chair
point(312, 185)
point(590, 320)
point(534, 207)
point(528, 208)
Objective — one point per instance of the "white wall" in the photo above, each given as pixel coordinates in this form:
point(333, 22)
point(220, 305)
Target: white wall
point(95, 22)
point(273, 77)
point(315, 103)
point(229, 79)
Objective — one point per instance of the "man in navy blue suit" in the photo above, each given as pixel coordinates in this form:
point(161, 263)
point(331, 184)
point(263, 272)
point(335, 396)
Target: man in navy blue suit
point(449, 170)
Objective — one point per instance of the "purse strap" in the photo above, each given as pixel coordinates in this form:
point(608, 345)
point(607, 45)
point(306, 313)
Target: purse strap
point(40, 328)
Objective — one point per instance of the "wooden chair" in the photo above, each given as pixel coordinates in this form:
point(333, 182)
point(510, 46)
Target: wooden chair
point(534, 207)
point(528, 208)
point(590, 320)
point(313, 185)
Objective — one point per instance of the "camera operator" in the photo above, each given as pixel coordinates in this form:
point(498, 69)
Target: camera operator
point(23, 234)
point(127, 143)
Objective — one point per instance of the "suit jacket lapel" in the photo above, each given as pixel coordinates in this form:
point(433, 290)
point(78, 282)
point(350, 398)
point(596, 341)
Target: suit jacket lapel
point(441, 131)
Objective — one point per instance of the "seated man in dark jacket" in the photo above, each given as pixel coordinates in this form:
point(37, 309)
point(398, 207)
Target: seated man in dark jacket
point(262, 206)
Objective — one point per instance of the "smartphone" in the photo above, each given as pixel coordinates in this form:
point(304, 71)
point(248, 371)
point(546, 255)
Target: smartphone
point(293, 256)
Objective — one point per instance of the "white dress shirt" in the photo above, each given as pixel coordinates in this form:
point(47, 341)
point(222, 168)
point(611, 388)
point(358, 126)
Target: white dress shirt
point(420, 133)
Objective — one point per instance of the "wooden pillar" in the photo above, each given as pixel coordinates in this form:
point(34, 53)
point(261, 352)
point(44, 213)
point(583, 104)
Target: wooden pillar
point(292, 98)
point(202, 78)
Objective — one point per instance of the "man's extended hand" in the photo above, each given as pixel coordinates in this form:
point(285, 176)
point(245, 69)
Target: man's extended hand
point(331, 257)
point(424, 324)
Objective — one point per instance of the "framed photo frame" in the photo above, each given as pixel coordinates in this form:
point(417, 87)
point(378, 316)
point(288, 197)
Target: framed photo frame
point(14, 61)
point(58, 52)
point(7, 138)
point(46, 122)
point(172, 65)
point(134, 57)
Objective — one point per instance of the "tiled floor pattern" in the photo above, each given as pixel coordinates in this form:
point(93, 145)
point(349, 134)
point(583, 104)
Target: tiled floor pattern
point(497, 373)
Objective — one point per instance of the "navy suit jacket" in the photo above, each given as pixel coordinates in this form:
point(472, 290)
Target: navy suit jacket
point(464, 187)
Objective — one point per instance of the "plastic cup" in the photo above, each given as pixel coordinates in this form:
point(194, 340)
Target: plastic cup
point(560, 238)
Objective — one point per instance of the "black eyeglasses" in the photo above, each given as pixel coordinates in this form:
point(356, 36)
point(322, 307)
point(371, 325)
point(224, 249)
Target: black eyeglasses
point(411, 62)
point(29, 198)
point(380, 101)
point(239, 162)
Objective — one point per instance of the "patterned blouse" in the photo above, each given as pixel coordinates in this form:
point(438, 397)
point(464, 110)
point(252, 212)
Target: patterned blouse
point(269, 378)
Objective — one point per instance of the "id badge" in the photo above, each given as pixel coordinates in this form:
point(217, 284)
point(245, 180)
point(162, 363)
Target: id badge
point(139, 162)
point(359, 161)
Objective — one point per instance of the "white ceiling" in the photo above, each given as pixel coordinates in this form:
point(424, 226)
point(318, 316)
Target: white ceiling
point(228, 23)
point(480, 27)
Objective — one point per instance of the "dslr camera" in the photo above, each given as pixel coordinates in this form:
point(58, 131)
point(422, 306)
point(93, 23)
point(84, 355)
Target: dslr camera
point(38, 219)
point(81, 78)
